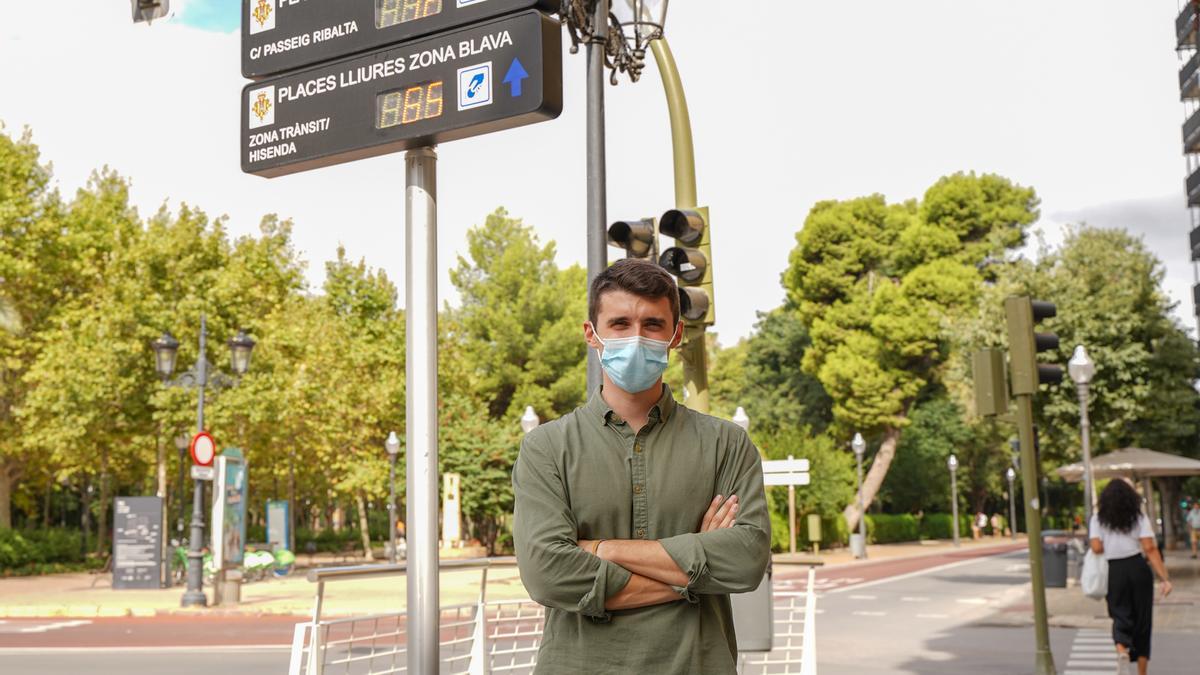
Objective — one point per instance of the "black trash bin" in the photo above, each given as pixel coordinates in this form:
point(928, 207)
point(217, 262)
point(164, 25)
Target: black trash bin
point(1054, 557)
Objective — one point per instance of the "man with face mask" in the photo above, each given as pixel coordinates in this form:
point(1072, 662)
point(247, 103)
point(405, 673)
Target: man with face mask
point(636, 517)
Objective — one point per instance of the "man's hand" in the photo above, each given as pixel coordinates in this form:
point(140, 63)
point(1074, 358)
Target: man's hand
point(720, 515)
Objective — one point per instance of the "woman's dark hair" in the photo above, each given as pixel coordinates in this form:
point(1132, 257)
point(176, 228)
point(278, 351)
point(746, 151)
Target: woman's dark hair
point(1120, 506)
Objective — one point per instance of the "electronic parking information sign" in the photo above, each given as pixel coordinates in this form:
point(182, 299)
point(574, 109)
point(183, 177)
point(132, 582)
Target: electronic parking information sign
point(487, 77)
point(283, 35)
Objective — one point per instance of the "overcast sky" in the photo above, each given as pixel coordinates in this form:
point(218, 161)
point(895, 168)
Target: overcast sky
point(792, 102)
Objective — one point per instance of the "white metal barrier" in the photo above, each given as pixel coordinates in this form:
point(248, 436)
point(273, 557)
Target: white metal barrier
point(496, 636)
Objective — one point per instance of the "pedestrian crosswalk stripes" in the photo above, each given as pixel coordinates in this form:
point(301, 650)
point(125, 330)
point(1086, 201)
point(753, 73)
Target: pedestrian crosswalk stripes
point(1092, 653)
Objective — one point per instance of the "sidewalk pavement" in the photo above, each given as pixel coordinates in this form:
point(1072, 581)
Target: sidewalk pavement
point(1070, 608)
point(92, 595)
point(840, 557)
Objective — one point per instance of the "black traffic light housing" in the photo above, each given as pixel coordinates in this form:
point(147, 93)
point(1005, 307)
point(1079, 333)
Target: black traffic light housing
point(690, 261)
point(637, 238)
point(1024, 344)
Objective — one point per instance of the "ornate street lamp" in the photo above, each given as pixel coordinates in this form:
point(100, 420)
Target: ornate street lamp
point(1082, 369)
point(859, 549)
point(166, 348)
point(952, 464)
point(393, 450)
point(530, 420)
point(200, 376)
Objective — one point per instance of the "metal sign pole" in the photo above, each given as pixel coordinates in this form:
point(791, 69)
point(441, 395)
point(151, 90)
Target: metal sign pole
point(422, 385)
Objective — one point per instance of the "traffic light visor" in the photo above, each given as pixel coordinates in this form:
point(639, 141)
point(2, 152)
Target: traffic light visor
point(689, 264)
point(686, 226)
point(693, 303)
point(635, 236)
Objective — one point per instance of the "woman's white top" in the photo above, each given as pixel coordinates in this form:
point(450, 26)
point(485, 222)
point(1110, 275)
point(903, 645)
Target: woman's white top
point(1119, 545)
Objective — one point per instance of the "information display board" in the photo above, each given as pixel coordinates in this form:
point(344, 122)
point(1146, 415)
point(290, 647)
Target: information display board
point(277, 524)
point(283, 35)
point(487, 77)
point(229, 509)
point(137, 542)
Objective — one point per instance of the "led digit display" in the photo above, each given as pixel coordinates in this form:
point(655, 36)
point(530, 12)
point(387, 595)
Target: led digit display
point(411, 104)
point(392, 12)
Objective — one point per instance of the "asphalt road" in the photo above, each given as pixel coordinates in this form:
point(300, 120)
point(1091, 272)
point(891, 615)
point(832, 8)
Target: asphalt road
point(927, 616)
point(936, 621)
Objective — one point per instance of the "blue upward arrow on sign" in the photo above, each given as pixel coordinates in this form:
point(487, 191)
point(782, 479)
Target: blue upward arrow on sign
point(516, 74)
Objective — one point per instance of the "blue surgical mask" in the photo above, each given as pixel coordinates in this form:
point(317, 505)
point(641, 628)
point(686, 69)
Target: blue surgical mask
point(633, 363)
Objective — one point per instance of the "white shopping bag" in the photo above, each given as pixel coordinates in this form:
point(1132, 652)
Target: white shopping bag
point(1094, 577)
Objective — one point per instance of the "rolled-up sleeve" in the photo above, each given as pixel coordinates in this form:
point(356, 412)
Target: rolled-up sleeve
point(554, 570)
point(730, 560)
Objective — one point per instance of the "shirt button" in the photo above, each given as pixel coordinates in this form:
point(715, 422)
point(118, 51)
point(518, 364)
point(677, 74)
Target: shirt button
point(641, 532)
point(637, 489)
point(637, 447)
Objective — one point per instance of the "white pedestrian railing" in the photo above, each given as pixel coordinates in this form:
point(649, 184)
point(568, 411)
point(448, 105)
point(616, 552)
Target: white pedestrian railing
point(495, 636)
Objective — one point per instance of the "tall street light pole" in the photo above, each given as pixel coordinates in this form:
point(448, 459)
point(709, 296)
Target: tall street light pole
point(166, 349)
point(1082, 369)
point(597, 176)
point(393, 451)
point(1012, 503)
point(860, 551)
point(952, 464)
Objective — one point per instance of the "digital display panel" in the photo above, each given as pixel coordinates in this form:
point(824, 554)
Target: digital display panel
point(411, 104)
point(391, 12)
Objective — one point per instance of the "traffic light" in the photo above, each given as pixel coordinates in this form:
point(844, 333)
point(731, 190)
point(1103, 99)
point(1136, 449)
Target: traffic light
point(149, 10)
point(637, 237)
point(1024, 345)
point(991, 387)
point(690, 262)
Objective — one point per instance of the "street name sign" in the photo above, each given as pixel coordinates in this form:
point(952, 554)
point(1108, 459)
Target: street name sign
point(283, 35)
point(487, 77)
point(786, 472)
point(202, 472)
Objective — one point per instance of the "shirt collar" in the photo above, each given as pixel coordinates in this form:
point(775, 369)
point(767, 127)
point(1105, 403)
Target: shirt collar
point(660, 411)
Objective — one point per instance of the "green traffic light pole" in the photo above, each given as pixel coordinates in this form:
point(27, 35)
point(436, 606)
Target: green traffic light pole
point(693, 352)
point(1023, 346)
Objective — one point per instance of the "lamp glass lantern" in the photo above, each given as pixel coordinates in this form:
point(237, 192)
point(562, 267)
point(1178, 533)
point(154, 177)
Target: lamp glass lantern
point(392, 444)
point(529, 420)
point(166, 348)
point(1081, 367)
point(240, 348)
point(741, 419)
point(858, 444)
point(952, 463)
point(1010, 474)
point(641, 20)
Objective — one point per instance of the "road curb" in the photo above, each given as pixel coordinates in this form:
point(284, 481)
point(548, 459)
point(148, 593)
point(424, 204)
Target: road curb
point(990, 549)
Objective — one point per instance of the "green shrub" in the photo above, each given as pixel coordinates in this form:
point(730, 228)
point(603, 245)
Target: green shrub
point(940, 526)
point(779, 532)
point(20, 549)
point(885, 528)
point(328, 540)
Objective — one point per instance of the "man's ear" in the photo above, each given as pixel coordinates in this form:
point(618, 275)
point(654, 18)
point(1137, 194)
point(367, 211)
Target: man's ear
point(589, 335)
point(678, 339)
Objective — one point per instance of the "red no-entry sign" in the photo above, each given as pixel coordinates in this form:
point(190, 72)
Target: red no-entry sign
point(203, 448)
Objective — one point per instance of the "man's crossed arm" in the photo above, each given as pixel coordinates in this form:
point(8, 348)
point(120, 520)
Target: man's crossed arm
point(654, 572)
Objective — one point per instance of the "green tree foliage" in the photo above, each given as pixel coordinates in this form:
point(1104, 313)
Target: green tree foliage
point(780, 394)
point(876, 285)
point(520, 321)
point(1108, 289)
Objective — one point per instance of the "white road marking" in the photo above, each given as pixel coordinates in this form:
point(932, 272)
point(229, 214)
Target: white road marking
point(918, 573)
point(869, 613)
point(862, 597)
point(909, 598)
point(42, 628)
point(972, 601)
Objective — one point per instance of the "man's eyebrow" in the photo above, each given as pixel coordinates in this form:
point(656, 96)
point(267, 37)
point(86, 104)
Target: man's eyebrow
point(618, 319)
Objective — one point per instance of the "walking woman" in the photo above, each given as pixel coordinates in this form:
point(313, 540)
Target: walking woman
point(1122, 533)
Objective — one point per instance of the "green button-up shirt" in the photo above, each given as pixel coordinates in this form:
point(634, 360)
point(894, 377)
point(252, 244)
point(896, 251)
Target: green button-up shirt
point(586, 475)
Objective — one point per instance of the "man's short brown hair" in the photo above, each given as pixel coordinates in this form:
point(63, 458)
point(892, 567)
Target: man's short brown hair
point(639, 277)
